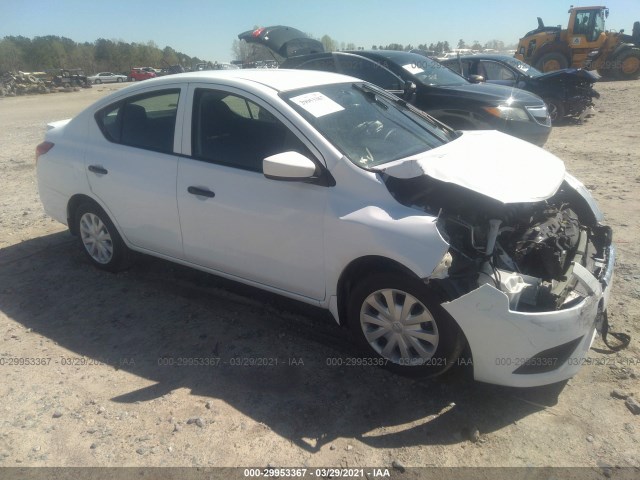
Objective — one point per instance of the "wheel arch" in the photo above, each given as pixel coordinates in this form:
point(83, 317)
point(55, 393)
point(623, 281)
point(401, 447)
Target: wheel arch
point(357, 269)
point(623, 47)
point(72, 206)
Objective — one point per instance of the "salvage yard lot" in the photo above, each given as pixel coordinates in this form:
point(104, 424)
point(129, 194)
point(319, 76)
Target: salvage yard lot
point(165, 366)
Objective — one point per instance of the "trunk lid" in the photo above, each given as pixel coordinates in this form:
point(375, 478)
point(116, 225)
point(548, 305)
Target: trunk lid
point(285, 41)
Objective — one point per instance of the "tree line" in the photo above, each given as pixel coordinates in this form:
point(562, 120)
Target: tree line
point(18, 53)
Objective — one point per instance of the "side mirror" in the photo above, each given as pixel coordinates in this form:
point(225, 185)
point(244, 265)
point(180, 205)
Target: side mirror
point(476, 78)
point(409, 91)
point(288, 166)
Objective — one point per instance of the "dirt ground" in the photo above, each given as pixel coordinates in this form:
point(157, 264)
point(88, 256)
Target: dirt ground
point(104, 388)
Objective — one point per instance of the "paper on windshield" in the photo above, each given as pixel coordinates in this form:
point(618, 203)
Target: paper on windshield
point(317, 104)
point(413, 68)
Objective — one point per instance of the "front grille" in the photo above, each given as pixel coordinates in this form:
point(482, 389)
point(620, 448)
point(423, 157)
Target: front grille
point(540, 115)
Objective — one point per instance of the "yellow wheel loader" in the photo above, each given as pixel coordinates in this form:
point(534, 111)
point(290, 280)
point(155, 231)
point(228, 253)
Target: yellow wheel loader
point(583, 44)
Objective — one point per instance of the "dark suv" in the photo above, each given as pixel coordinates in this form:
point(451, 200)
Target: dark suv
point(425, 83)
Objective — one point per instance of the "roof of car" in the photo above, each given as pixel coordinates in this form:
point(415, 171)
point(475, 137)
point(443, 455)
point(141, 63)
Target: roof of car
point(280, 80)
point(494, 56)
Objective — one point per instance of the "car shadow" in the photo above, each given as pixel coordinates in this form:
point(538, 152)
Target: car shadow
point(282, 363)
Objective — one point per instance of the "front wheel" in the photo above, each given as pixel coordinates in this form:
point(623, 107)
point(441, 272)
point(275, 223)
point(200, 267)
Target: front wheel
point(119, 80)
point(99, 238)
point(97, 81)
point(628, 65)
point(398, 320)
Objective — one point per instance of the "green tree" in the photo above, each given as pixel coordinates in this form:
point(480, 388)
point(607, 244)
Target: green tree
point(329, 44)
point(11, 59)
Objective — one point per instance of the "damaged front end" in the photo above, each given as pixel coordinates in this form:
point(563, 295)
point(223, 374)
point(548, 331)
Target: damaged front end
point(576, 86)
point(527, 282)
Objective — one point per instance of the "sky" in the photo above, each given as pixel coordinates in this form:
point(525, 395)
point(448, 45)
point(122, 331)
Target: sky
point(206, 29)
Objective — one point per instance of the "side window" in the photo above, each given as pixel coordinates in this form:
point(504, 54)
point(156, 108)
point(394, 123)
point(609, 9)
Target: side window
point(455, 66)
point(145, 121)
point(368, 71)
point(235, 131)
point(581, 26)
point(495, 71)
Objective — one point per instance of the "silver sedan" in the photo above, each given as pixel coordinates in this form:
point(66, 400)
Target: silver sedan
point(107, 77)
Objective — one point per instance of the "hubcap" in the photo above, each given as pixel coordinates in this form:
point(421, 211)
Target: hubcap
point(96, 238)
point(551, 65)
point(630, 65)
point(553, 110)
point(399, 327)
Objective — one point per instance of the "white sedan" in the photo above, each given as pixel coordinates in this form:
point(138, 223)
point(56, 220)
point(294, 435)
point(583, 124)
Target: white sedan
point(427, 243)
point(107, 77)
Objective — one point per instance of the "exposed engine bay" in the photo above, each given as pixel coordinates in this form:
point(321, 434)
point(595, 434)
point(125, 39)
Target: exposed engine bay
point(530, 251)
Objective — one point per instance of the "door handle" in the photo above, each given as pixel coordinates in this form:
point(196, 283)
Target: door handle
point(201, 191)
point(97, 169)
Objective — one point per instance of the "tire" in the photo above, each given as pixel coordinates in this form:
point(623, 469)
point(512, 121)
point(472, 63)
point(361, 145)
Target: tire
point(551, 61)
point(404, 345)
point(628, 65)
point(119, 80)
point(556, 109)
point(100, 239)
point(97, 81)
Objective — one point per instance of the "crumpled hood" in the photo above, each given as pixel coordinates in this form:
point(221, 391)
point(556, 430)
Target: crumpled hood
point(575, 74)
point(489, 162)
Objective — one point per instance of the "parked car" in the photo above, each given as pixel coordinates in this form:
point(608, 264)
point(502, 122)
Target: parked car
point(70, 77)
point(137, 74)
point(424, 82)
point(420, 239)
point(567, 92)
point(107, 77)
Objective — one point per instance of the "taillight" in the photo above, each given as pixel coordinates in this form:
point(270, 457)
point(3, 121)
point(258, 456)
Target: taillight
point(43, 148)
point(256, 33)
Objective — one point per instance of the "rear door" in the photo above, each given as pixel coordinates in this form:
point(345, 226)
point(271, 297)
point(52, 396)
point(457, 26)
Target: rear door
point(131, 166)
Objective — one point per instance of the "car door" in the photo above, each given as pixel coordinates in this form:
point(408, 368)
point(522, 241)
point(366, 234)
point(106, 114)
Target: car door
point(233, 219)
point(131, 167)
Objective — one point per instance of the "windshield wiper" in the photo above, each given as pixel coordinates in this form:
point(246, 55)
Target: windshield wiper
point(370, 94)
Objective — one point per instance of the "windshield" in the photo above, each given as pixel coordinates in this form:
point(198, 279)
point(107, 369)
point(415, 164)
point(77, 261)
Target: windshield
point(369, 126)
point(425, 70)
point(524, 68)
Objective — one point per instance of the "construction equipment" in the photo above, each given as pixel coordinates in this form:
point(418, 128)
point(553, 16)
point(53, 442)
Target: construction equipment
point(584, 43)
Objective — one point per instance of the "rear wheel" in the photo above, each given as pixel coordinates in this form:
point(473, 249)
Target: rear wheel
point(555, 108)
point(551, 61)
point(400, 323)
point(628, 65)
point(99, 238)
point(119, 80)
